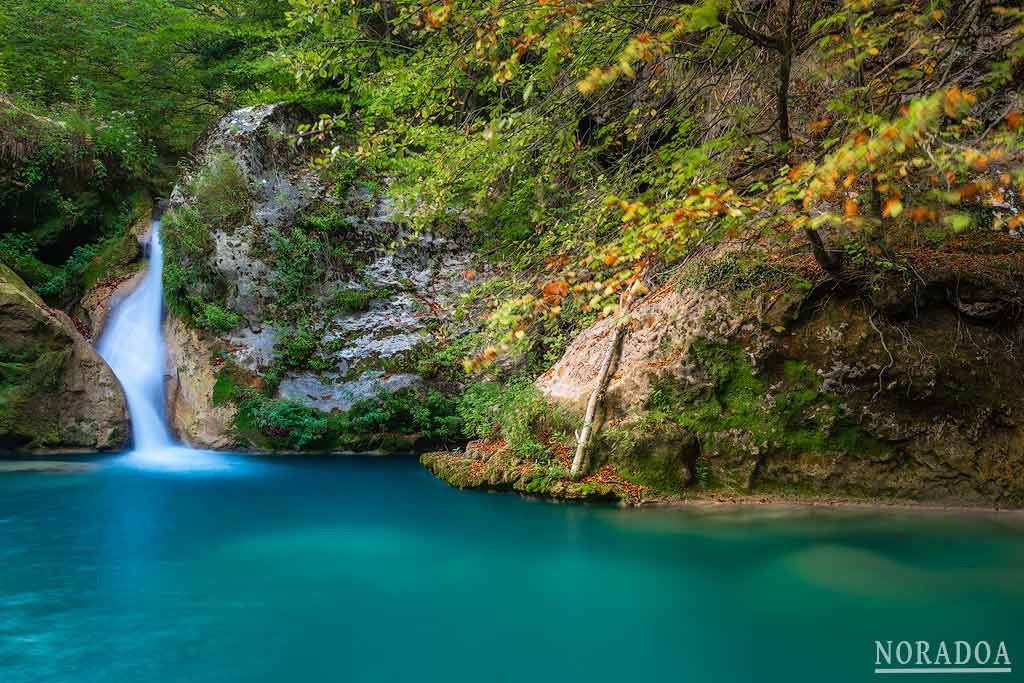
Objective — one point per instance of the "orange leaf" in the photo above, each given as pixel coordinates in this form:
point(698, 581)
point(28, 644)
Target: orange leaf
point(920, 214)
point(893, 208)
point(555, 290)
point(968, 192)
point(820, 126)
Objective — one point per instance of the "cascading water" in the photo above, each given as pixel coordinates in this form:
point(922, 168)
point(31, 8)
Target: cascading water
point(133, 346)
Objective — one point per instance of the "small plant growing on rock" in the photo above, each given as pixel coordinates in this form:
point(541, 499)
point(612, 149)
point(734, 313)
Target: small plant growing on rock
point(221, 192)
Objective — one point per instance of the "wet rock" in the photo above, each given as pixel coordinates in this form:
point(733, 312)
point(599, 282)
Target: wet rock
point(44, 466)
point(192, 374)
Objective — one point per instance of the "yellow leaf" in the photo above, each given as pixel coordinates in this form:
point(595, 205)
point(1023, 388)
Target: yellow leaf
point(893, 207)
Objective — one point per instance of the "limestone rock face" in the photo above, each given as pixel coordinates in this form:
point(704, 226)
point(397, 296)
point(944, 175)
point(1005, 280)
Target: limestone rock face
point(196, 418)
point(661, 329)
point(57, 393)
point(121, 271)
point(907, 392)
point(100, 300)
point(378, 303)
point(256, 138)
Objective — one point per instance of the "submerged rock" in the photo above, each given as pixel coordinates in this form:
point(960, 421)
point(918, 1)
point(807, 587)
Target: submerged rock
point(57, 393)
point(44, 466)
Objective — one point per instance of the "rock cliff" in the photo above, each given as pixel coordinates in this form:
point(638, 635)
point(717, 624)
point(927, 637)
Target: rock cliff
point(310, 293)
point(753, 374)
point(746, 378)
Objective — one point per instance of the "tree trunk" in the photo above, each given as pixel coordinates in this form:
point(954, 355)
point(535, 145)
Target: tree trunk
point(603, 376)
point(785, 67)
point(831, 262)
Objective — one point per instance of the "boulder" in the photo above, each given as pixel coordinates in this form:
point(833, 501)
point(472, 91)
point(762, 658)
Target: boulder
point(56, 392)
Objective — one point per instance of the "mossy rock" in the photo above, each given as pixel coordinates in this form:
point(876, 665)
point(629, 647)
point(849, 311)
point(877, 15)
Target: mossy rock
point(55, 391)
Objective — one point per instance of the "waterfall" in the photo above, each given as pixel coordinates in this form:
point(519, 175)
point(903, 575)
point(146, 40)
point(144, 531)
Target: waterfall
point(132, 343)
point(133, 346)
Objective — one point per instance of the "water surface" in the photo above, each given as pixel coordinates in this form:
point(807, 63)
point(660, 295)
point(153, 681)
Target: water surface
point(364, 569)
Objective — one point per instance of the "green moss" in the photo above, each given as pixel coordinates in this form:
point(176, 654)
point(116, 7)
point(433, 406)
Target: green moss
point(651, 452)
point(795, 416)
point(661, 475)
point(26, 386)
point(540, 482)
point(117, 255)
point(226, 388)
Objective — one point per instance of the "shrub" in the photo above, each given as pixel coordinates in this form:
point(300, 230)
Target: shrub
point(369, 423)
point(18, 252)
point(221, 192)
point(178, 280)
point(70, 276)
point(295, 424)
point(446, 362)
point(517, 411)
point(355, 299)
point(325, 218)
point(297, 266)
point(216, 318)
point(431, 415)
point(185, 235)
point(298, 347)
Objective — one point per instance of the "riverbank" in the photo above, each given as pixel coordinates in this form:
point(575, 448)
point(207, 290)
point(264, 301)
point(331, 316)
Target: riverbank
point(501, 473)
point(485, 465)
